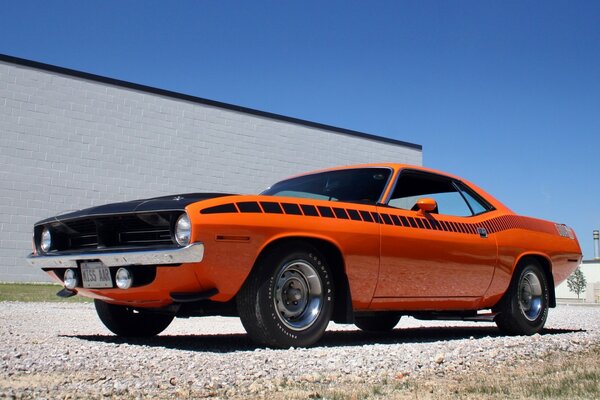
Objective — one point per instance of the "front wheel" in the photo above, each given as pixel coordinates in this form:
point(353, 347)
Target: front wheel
point(524, 308)
point(127, 322)
point(288, 298)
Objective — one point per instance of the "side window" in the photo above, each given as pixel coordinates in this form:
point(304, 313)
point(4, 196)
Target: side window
point(412, 186)
point(451, 203)
point(477, 204)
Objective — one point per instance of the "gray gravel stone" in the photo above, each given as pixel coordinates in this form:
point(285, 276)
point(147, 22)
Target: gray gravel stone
point(61, 350)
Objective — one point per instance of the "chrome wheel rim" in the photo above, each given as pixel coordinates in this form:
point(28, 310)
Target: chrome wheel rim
point(530, 296)
point(298, 295)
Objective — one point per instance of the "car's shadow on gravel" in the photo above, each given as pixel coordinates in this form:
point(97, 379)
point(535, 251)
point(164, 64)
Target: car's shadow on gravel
point(241, 342)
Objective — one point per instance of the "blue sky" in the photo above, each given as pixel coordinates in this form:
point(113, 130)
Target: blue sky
point(506, 94)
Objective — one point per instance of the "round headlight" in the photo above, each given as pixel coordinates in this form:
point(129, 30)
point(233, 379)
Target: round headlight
point(183, 230)
point(46, 240)
point(123, 278)
point(70, 279)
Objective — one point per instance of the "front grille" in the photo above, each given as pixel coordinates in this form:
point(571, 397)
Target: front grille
point(105, 232)
point(149, 237)
point(83, 241)
point(82, 234)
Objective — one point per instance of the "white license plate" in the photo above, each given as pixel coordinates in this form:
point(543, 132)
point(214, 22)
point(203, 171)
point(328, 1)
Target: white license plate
point(95, 275)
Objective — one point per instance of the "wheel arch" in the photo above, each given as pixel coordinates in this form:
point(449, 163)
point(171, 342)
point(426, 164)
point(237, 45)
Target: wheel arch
point(546, 265)
point(342, 306)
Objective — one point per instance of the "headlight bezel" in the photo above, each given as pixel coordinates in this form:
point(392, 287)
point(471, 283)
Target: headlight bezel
point(182, 230)
point(46, 240)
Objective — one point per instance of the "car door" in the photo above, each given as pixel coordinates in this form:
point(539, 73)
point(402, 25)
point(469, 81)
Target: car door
point(439, 254)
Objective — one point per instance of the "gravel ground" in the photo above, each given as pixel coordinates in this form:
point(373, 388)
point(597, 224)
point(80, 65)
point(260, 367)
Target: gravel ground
point(60, 350)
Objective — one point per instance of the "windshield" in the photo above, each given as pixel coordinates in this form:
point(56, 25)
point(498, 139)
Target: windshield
point(364, 185)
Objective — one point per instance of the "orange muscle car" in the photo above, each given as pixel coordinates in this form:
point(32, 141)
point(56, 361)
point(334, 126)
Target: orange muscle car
point(362, 244)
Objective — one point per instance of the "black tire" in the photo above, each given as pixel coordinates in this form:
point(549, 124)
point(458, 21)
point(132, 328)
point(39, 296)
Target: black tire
point(377, 323)
point(524, 308)
point(288, 298)
point(125, 321)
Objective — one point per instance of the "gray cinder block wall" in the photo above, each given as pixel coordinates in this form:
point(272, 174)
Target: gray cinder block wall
point(70, 140)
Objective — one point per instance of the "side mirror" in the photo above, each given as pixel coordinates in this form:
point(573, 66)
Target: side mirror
point(426, 204)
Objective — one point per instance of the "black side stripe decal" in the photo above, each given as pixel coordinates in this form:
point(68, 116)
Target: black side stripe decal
point(325, 212)
point(309, 211)
point(271, 207)
point(386, 219)
point(431, 222)
point(354, 215)
point(249, 207)
point(366, 216)
point(220, 209)
point(292, 209)
point(340, 213)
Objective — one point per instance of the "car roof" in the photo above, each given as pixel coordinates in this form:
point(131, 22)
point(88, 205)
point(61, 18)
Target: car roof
point(394, 166)
point(399, 166)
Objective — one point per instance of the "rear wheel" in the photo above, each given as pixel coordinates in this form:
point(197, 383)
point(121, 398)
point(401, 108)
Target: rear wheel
point(524, 308)
point(377, 323)
point(125, 321)
point(288, 298)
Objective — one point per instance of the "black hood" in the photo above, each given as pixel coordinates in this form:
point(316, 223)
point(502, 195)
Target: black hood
point(167, 203)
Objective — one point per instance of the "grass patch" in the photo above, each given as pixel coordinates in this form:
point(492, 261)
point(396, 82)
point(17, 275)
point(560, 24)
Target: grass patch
point(559, 375)
point(28, 292)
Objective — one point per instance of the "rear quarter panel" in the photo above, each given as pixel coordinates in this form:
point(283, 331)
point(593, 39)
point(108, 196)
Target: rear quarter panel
point(519, 237)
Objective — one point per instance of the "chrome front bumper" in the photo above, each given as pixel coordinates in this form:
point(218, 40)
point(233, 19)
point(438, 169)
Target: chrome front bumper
point(189, 254)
